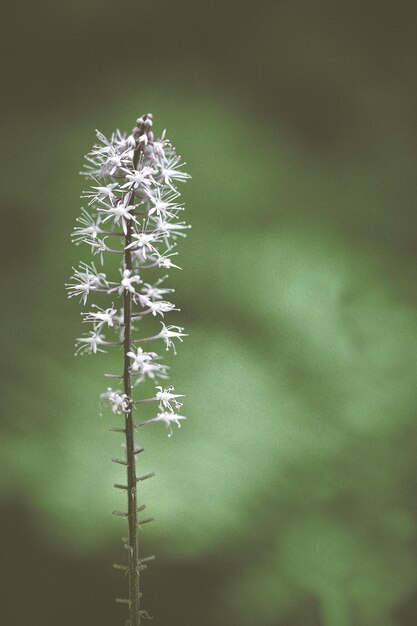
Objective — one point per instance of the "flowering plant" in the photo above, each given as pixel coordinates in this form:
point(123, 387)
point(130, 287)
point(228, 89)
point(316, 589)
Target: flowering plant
point(133, 201)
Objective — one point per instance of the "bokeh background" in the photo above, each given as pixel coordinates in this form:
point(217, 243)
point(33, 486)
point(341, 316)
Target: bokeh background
point(289, 496)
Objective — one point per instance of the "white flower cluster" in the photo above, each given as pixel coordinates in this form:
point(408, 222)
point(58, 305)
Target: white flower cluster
point(133, 211)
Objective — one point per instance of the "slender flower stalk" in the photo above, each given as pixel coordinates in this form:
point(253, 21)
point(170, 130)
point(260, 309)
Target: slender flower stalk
point(132, 201)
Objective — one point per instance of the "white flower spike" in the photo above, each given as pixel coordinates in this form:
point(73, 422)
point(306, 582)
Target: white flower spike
point(132, 217)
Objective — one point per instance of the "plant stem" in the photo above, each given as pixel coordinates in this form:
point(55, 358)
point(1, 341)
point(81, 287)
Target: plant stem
point(134, 591)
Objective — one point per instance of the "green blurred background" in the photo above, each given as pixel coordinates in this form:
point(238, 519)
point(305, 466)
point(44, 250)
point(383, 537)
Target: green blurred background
point(289, 496)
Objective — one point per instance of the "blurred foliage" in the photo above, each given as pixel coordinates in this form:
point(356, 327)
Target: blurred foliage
point(288, 496)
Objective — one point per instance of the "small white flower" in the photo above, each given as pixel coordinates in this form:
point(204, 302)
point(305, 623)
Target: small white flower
point(105, 158)
point(120, 212)
point(168, 229)
point(154, 292)
point(168, 333)
point(168, 419)
point(108, 155)
point(170, 172)
point(119, 401)
point(85, 281)
point(144, 364)
point(90, 343)
point(116, 161)
point(127, 282)
point(138, 178)
point(162, 202)
point(141, 358)
point(88, 230)
point(98, 246)
point(101, 316)
point(165, 261)
point(144, 242)
point(159, 307)
point(167, 398)
point(100, 192)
